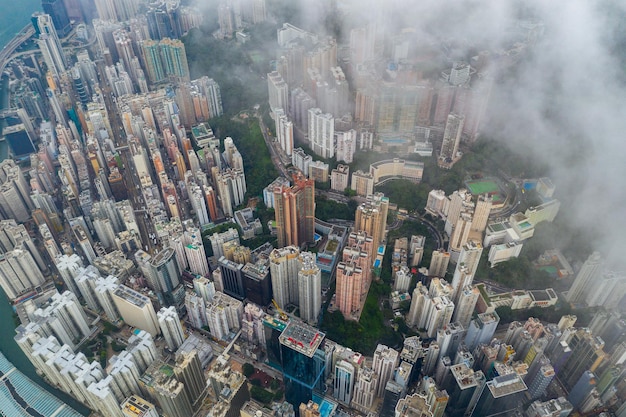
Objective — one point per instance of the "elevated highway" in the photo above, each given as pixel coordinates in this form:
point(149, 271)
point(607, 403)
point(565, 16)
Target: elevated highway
point(9, 49)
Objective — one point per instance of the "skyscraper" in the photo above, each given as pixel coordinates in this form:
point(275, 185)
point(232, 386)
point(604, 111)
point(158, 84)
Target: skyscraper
point(284, 132)
point(295, 212)
point(284, 269)
point(164, 273)
point(188, 370)
point(174, 59)
point(15, 201)
point(349, 279)
point(587, 355)
point(460, 235)
point(58, 13)
point(481, 213)
point(481, 329)
point(172, 330)
point(345, 375)
point(321, 133)
point(499, 394)
point(136, 309)
point(591, 270)
point(384, 363)
point(371, 217)
point(278, 91)
point(470, 256)
point(152, 59)
point(414, 405)
point(309, 288)
point(19, 272)
point(439, 263)
point(465, 304)
point(165, 59)
point(451, 138)
point(49, 44)
point(232, 278)
point(257, 282)
point(303, 362)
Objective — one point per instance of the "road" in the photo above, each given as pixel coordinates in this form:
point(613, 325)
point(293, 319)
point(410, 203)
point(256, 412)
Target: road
point(6, 53)
point(269, 142)
point(131, 180)
point(431, 227)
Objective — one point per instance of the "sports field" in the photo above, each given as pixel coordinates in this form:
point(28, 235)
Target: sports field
point(482, 187)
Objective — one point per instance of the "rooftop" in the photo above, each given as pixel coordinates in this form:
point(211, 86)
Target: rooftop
point(504, 385)
point(301, 338)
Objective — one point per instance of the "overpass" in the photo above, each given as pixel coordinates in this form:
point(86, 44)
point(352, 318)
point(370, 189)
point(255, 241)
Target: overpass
point(5, 55)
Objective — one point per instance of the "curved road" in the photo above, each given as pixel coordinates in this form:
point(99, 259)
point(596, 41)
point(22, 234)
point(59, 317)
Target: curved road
point(6, 53)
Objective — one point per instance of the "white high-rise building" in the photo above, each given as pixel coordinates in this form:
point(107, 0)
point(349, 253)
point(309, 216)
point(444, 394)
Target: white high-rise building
point(103, 398)
point(19, 272)
point(460, 234)
point(465, 304)
point(196, 310)
point(470, 255)
point(284, 132)
point(449, 338)
point(86, 283)
point(204, 287)
point(219, 239)
point(438, 314)
point(142, 347)
point(15, 201)
point(224, 315)
point(436, 203)
point(50, 45)
point(196, 257)
point(339, 178)
point(430, 310)
point(481, 213)
point(136, 309)
point(345, 374)
point(278, 91)
point(321, 133)
point(402, 280)
point(590, 271)
point(418, 299)
point(231, 188)
point(171, 328)
point(439, 263)
point(384, 363)
point(451, 137)
point(198, 203)
point(284, 267)
point(103, 290)
point(346, 145)
point(125, 373)
point(70, 267)
point(309, 288)
point(461, 279)
point(64, 317)
point(365, 389)
point(459, 202)
point(481, 329)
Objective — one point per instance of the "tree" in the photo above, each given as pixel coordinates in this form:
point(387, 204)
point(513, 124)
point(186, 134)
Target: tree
point(248, 370)
point(261, 395)
point(274, 385)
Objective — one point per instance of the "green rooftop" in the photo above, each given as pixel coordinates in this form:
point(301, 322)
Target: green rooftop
point(167, 370)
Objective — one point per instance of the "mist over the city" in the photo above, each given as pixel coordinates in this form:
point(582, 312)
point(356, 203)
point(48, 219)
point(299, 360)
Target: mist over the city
point(561, 100)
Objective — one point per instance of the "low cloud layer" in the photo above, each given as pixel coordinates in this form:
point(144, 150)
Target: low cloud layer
point(564, 101)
